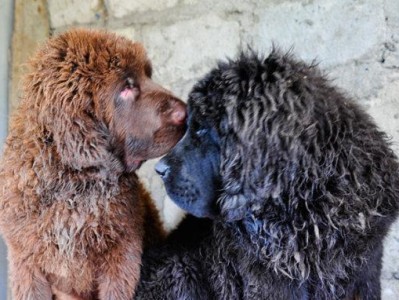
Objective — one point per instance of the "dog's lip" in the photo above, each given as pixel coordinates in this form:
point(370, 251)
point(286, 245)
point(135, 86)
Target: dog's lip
point(134, 164)
point(138, 163)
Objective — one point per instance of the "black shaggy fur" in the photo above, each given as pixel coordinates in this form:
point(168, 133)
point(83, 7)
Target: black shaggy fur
point(299, 184)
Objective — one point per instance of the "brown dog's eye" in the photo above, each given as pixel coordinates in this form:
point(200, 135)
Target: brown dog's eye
point(130, 91)
point(130, 82)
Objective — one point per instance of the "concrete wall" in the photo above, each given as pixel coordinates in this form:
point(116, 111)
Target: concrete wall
point(356, 42)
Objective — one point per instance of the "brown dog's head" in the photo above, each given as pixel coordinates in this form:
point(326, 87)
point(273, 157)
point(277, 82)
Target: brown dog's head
point(94, 97)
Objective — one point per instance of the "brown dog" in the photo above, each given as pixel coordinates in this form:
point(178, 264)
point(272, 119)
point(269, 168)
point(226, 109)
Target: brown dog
point(72, 211)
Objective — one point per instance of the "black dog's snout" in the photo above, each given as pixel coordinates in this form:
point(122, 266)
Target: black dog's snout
point(162, 168)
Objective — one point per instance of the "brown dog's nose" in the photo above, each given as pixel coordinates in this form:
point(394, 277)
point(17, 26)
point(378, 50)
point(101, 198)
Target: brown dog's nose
point(179, 113)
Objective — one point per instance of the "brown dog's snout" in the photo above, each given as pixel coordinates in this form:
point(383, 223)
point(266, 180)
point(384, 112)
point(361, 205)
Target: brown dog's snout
point(179, 113)
point(170, 107)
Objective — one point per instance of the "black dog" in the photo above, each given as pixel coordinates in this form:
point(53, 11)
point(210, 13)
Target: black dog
point(298, 184)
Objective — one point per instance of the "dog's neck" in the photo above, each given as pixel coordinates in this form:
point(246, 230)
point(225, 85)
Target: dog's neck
point(102, 179)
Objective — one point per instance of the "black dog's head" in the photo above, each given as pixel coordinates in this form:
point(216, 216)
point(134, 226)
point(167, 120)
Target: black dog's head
point(296, 169)
point(269, 139)
point(229, 154)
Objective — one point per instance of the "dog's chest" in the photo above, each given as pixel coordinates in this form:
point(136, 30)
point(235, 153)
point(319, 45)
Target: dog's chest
point(83, 226)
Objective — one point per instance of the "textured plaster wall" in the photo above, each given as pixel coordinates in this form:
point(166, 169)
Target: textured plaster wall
point(356, 42)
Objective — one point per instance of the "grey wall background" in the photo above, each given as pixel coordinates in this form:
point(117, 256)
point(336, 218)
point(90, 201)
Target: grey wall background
point(356, 42)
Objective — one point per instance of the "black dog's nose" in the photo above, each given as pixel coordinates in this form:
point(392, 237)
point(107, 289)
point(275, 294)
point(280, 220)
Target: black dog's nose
point(161, 168)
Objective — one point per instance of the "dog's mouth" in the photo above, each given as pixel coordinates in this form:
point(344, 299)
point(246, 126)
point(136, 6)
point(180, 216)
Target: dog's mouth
point(133, 163)
point(136, 151)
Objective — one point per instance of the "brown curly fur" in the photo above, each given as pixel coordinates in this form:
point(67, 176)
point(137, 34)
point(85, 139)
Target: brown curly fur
point(72, 212)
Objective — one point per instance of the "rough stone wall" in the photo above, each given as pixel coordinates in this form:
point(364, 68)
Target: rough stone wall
point(31, 27)
point(356, 42)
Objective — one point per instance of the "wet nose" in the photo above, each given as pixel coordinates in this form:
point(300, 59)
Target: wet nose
point(179, 114)
point(162, 168)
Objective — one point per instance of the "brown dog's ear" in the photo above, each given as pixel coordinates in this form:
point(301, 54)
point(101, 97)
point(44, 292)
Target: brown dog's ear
point(80, 138)
point(80, 141)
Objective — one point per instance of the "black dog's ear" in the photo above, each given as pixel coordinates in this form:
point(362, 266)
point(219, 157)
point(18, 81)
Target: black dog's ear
point(233, 202)
point(233, 207)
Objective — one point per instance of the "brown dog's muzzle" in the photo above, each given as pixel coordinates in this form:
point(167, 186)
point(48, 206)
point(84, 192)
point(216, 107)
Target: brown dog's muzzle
point(172, 110)
point(149, 122)
point(178, 112)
